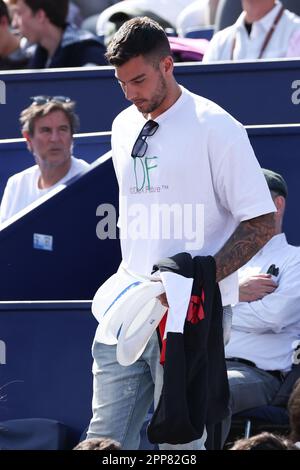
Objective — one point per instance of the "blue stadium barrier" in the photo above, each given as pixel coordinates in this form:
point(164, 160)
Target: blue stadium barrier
point(53, 251)
point(45, 362)
point(15, 157)
point(276, 147)
point(79, 261)
point(275, 85)
point(200, 33)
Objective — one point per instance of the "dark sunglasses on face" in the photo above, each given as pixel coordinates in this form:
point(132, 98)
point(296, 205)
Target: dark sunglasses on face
point(43, 99)
point(140, 146)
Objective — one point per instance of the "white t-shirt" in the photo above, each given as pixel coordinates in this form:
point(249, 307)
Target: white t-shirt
point(22, 188)
point(264, 331)
point(199, 171)
point(248, 47)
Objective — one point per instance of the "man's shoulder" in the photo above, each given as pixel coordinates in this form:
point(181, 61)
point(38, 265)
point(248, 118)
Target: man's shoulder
point(127, 117)
point(24, 175)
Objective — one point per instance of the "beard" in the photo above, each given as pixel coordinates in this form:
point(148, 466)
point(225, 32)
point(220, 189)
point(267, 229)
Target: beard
point(158, 97)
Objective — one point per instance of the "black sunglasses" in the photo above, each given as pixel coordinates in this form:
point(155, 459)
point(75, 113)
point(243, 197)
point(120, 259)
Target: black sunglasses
point(140, 146)
point(43, 99)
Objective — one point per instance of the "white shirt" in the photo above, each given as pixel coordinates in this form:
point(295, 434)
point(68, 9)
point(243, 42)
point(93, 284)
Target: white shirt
point(263, 331)
point(248, 47)
point(203, 179)
point(22, 188)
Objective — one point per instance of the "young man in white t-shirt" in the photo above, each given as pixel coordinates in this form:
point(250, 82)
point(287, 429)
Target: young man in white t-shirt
point(189, 181)
point(48, 125)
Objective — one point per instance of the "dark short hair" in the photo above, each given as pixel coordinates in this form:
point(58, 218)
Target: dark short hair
point(4, 10)
point(34, 111)
point(56, 11)
point(138, 36)
point(276, 182)
point(264, 441)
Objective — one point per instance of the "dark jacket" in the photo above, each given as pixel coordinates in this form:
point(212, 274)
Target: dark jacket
point(77, 48)
point(195, 385)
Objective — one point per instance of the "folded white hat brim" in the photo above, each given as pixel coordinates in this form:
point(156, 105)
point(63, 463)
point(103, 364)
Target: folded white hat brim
point(105, 305)
point(143, 312)
point(124, 296)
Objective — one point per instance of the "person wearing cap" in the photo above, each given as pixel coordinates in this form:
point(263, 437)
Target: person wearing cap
point(176, 155)
point(266, 320)
point(48, 125)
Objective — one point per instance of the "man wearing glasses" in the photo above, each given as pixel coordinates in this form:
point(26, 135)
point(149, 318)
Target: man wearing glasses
point(48, 125)
point(176, 151)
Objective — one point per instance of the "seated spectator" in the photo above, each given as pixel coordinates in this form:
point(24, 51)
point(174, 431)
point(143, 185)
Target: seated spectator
point(196, 15)
point(112, 18)
point(12, 55)
point(48, 125)
point(98, 443)
point(294, 414)
point(266, 321)
point(263, 30)
point(58, 44)
point(264, 441)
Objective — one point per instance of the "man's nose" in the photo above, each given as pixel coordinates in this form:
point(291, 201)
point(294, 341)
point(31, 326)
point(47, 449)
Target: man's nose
point(54, 136)
point(129, 92)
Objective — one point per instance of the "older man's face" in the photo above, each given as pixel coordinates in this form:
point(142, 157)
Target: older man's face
point(51, 142)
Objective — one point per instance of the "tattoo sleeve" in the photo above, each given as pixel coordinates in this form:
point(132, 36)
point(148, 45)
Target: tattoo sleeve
point(248, 238)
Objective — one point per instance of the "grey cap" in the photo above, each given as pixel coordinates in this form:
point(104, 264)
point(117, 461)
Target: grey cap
point(276, 182)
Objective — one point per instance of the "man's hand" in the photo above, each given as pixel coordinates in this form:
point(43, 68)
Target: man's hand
point(163, 300)
point(256, 287)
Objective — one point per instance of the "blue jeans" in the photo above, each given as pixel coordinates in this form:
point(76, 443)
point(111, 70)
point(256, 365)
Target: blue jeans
point(123, 395)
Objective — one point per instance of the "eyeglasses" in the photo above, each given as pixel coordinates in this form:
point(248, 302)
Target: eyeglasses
point(43, 99)
point(140, 146)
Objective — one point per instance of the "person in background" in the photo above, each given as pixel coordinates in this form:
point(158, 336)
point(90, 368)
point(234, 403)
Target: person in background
point(264, 30)
point(43, 22)
point(48, 125)
point(12, 55)
point(98, 443)
point(264, 441)
point(266, 320)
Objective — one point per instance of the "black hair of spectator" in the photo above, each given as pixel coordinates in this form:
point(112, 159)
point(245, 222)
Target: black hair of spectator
point(98, 443)
point(138, 36)
point(264, 441)
point(4, 10)
point(55, 10)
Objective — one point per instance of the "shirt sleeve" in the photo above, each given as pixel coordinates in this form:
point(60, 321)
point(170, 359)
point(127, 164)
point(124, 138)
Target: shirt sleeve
point(5, 212)
point(276, 311)
point(238, 177)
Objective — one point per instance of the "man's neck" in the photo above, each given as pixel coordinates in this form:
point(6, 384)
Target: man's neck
point(51, 175)
point(173, 95)
point(255, 10)
point(8, 44)
point(51, 39)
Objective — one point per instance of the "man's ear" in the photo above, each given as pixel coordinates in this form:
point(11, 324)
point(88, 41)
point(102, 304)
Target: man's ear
point(167, 64)
point(28, 140)
point(41, 15)
point(280, 204)
point(4, 21)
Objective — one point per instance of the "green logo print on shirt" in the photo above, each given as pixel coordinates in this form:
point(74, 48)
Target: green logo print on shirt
point(142, 172)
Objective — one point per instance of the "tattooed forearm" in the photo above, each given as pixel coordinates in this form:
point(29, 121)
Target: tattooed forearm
point(248, 238)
